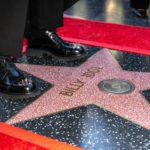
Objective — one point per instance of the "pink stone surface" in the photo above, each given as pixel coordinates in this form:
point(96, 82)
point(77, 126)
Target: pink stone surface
point(130, 106)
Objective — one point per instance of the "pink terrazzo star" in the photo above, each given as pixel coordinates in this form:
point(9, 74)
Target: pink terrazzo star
point(75, 87)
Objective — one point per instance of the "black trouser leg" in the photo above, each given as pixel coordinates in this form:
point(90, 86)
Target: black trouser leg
point(47, 14)
point(69, 3)
point(12, 24)
point(139, 4)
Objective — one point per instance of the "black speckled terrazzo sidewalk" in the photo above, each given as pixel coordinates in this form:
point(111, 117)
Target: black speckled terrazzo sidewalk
point(92, 128)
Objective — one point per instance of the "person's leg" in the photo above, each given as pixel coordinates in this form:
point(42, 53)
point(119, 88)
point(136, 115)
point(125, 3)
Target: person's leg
point(44, 19)
point(68, 3)
point(45, 15)
point(139, 7)
point(48, 14)
point(12, 26)
point(12, 17)
point(139, 4)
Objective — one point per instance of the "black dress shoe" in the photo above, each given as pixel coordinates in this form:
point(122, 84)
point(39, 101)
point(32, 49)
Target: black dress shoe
point(55, 46)
point(14, 84)
point(140, 12)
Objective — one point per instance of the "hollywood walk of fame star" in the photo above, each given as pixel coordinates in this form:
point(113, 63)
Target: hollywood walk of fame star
point(131, 106)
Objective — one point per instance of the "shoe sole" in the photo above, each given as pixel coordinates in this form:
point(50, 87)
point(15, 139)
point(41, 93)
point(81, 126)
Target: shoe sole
point(18, 96)
point(64, 58)
point(48, 55)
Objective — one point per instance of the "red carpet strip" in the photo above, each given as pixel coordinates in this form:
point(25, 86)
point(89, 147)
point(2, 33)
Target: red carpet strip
point(114, 36)
point(12, 138)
